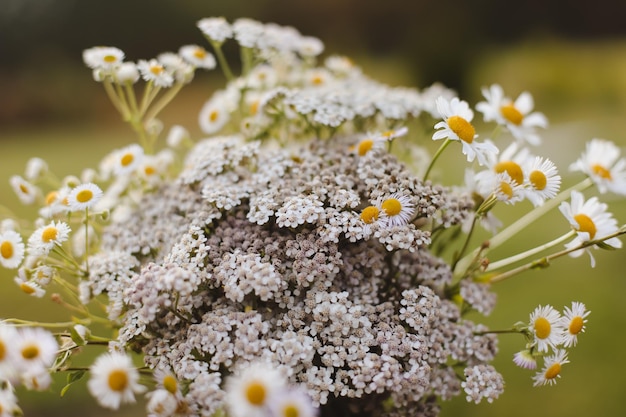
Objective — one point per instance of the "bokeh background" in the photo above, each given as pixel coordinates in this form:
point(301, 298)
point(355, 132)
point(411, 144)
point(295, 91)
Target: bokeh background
point(571, 56)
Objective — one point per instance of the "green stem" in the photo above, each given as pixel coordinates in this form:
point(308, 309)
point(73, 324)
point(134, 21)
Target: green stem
point(516, 258)
point(217, 47)
point(526, 220)
point(443, 146)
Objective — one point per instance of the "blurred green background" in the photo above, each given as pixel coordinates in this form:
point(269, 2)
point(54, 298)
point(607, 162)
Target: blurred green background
point(570, 56)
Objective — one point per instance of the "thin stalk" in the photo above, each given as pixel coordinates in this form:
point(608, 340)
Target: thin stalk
point(217, 47)
point(443, 146)
point(523, 255)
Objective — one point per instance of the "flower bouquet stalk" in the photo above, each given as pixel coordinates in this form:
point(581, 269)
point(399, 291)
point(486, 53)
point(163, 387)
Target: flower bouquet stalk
point(299, 260)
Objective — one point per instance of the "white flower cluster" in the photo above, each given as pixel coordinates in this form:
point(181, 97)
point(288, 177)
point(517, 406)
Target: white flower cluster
point(296, 263)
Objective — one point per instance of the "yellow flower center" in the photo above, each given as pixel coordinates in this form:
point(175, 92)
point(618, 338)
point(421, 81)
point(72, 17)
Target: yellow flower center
point(27, 288)
point(118, 380)
point(170, 384)
point(30, 352)
point(156, 69)
point(6, 249)
point(255, 393)
point(576, 325)
point(84, 196)
point(601, 171)
point(392, 206)
point(24, 189)
point(542, 328)
point(127, 159)
point(364, 146)
point(254, 107)
point(291, 410)
point(553, 371)
point(199, 53)
point(462, 128)
point(511, 114)
point(109, 59)
point(538, 179)
point(149, 170)
point(49, 233)
point(3, 351)
point(511, 168)
point(506, 189)
point(369, 214)
point(51, 197)
point(214, 115)
point(585, 224)
point(317, 80)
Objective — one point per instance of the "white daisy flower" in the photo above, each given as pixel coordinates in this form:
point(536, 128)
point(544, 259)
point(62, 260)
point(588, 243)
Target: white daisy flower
point(35, 169)
point(215, 113)
point(573, 321)
point(216, 29)
point(8, 352)
point(197, 56)
point(126, 160)
point(516, 115)
point(36, 350)
point(114, 380)
point(602, 163)
point(543, 181)
point(161, 403)
point(103, 57)
point(395, 133)
point(367, 143)
point(507, 189)
point(8, 403)
point(370, 215)
point(456, 125)
point(26, 192)
point(36, 380)
point(591, 220)
point(177, 136)
point(181, 70)
point(551, 368)
point(525, 359)
point(292, 402)
point(309, 46)
point(398, 210)
point(84, 196)
point(11, 249)
point(28, 286)
point(55, 203)
point(510, 161)
point(166, 380)
point(41, 242)
point(546, 327)
point(126, 72)
point(155, 72)
point(262, 76)
point(248, 393)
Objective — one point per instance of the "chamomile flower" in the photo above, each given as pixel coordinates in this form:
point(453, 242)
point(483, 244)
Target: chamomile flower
point(214, 114)
point(217, 29)
point(290, 403)
point(309, 46)
point(84, 196)
point(126, 160)
point(197, 56)
point(525, 359)
point(573, 321)
point(367, 143)
point(177, 136)
point(506, 189)
point(36, 350)
point(103, 57)
point(55, 202)
point(516, 115)
point(41, 242)
point(546, 327)
point(456, 125)
point(8, 352)
point(551, 368)
point(35, 169)
point(28, 286)
point(26, 192)
point(543, 180)
point(398, 210)
point(8, 402)
point(248, 393)
point(602, 163)
point(167, 380)
point(395, 133)
point(591, 220)
point(114, 380)
point(126, 73)
point(161, 403)
point(11, 249)
point(155, 72)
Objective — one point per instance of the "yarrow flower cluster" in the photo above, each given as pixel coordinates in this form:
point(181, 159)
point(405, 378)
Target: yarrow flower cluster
point(293, 262)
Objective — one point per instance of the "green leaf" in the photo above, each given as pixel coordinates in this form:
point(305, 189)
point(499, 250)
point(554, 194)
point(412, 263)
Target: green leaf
point(71, 378)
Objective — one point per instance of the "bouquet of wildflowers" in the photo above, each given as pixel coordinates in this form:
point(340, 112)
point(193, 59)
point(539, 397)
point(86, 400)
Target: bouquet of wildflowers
point(299, 260)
